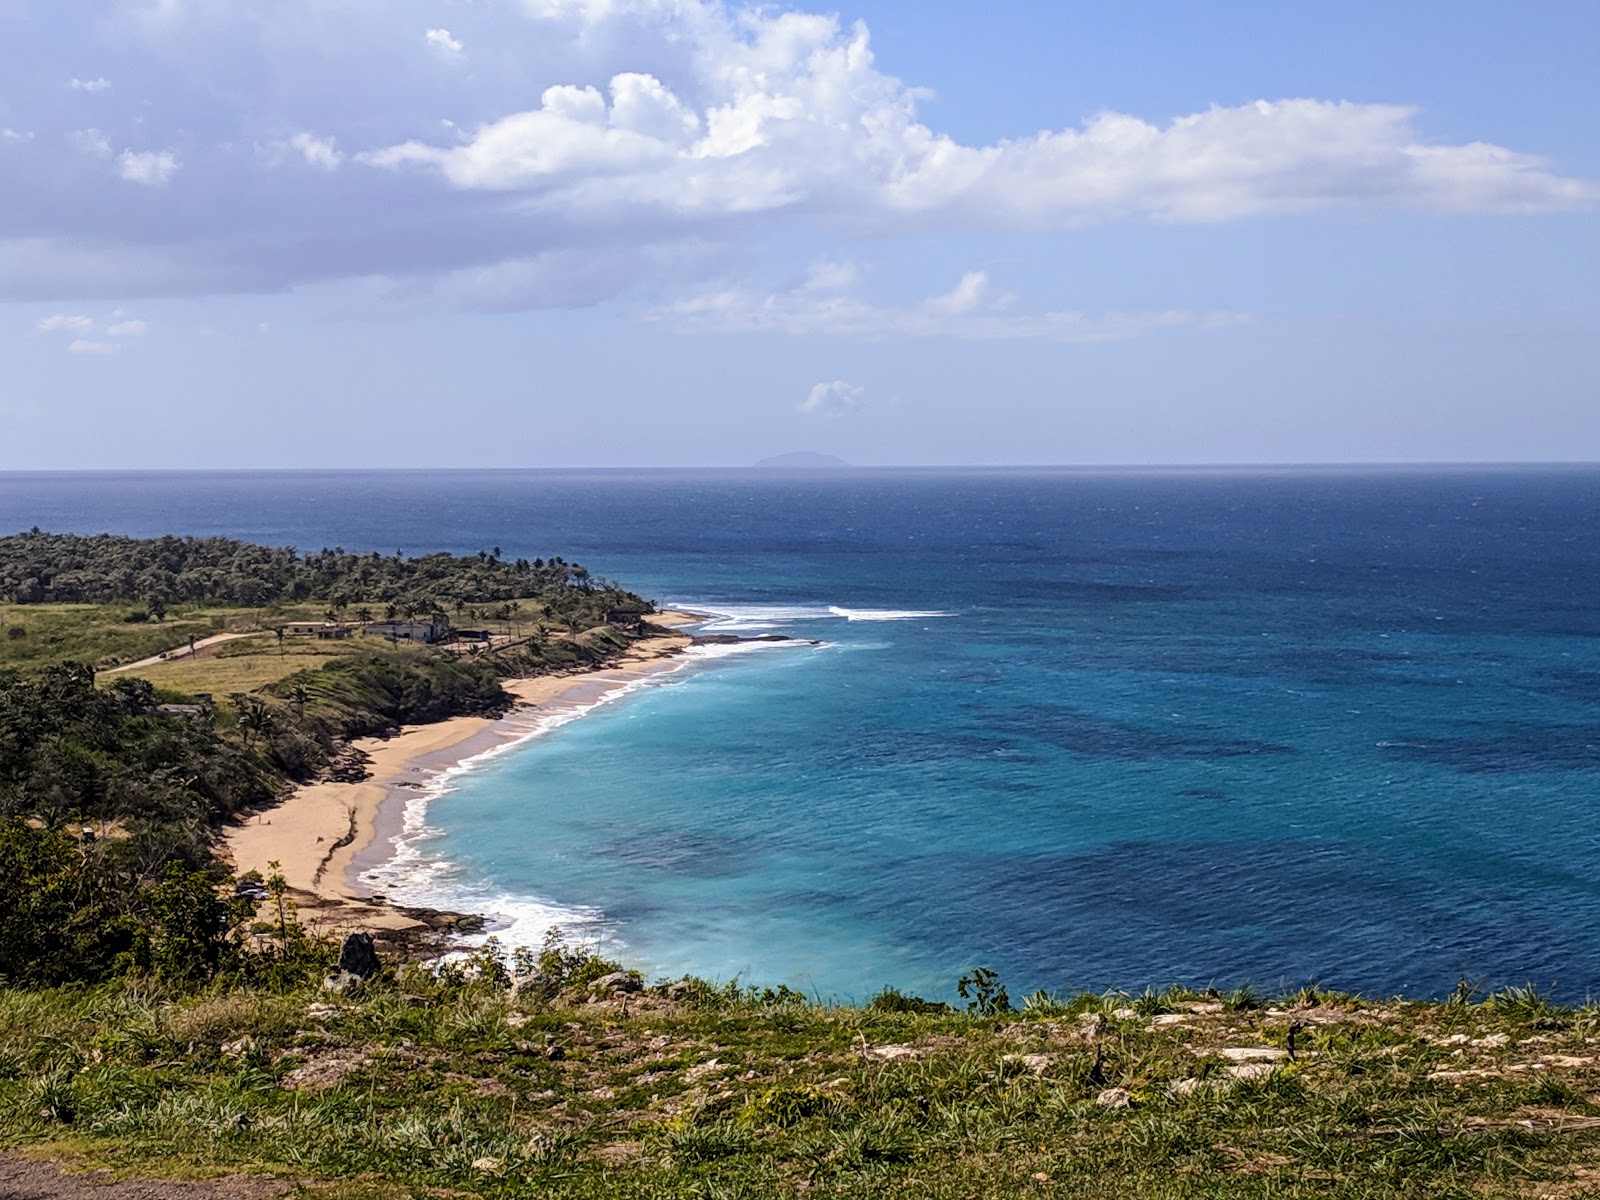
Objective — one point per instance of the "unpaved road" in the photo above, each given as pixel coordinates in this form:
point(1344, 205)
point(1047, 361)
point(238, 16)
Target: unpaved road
point(22, 1179)
point(173, 655)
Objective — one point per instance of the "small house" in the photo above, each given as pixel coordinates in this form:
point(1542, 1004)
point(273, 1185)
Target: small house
point(427, 632)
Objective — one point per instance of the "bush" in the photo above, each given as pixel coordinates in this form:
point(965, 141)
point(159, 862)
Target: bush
point(892, 1000)
point(137, 616)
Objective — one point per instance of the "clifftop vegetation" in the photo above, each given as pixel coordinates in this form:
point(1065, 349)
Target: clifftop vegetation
point(38, 568)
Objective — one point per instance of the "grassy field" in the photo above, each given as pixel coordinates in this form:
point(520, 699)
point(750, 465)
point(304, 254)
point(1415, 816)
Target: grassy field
point(250, 663)
point(423, 1087)
point(102, 635)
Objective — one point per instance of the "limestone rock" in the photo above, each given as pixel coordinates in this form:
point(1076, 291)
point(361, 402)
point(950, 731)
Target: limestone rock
point(344, 981)
point(892, 1053)
point(618, 981)
point(1115, 1098)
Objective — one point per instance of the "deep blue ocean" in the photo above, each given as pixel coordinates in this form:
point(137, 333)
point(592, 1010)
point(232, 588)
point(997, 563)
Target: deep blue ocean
point(1337, 725)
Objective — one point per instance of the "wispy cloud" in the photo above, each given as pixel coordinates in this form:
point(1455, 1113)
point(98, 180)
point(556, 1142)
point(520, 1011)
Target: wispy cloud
point(89, 85)
point(972, 310)
point(151, 168)
point(65, 323)
point(316, 151)
point(87, 335)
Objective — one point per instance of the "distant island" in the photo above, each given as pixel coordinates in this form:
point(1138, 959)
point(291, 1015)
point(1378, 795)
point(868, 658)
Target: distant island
point(803, 460)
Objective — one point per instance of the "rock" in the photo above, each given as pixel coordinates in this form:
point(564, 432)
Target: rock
point(358, 957)
point(1125, 1014)
point(239, 1046)
point(679, 990)
point(516, 1020)
point(1186, 1087)
point(1167, 1020)
point(321, 1012)
point(1034, 1064)
point(486, 1164)
point(1493, 1042)
point(538, 985)
point(1115, 1098)
point(344, 981)
point(1253, 1054)
point(892, 1053)
point(710, 1067)
point(618, 981)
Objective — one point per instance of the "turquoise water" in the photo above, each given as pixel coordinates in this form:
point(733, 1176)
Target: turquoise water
point(1202, 726)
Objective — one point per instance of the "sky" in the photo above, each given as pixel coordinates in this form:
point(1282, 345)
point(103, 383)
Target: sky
point(523, 233)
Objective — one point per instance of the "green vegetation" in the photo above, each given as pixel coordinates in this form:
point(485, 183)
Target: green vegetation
point(37, 567)
point(467, 1081)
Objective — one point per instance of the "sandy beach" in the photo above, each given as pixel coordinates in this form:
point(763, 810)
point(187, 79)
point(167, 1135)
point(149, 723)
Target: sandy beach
point(324, 834)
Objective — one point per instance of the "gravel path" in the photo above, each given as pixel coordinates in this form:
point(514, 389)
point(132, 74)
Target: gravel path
point(23, 1179)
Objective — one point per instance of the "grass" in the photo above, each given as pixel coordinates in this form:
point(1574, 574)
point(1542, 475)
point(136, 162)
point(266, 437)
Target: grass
point(251, 663)
point(99, 633)
point(102, 635)
point(422, 1086)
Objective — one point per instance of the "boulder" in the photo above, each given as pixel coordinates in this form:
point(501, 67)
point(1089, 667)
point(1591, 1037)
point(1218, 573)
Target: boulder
point(1114, 1098)
point(358, 957)
point(617, 981)
point(344, 981)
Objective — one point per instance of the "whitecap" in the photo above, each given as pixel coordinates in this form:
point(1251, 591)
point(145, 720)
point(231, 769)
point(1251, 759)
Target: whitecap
point(884, 614)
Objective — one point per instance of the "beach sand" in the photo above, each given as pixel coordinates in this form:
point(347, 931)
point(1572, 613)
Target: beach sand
point(324, 834)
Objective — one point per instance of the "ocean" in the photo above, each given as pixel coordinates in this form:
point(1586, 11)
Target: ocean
point(1090, 729)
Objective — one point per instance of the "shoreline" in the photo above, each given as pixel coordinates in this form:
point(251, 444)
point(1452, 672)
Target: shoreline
point(324, 835)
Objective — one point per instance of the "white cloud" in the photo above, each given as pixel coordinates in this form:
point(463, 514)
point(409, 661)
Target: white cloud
point(317, 151)
point(689, 123)
point(831, 276)
point(791, 114)
point(443, 43)
point(85, 346)
point(90, 141)
point(152, 168)
point(126, 328)
point(971, 311)
point(16, 135)
point(65, 323)
point(834, 398)
point(89, 85)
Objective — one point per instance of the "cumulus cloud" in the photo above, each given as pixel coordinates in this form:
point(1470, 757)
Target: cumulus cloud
point(152, 168)
point(833, 398)
point(972, 310)
point(16, 135)
point(791, 113)
point(655, 122)
point(65, 323)
point(442, 42)
point(126, 328)
point(89, 85)
point(86, 346)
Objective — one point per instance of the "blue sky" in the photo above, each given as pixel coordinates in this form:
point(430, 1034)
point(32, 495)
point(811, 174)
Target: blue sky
point(675, 232)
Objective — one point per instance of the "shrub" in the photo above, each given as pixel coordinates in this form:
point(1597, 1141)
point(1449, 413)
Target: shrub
point(893, 1000)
